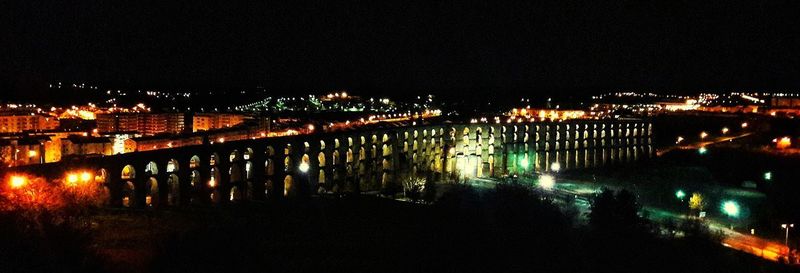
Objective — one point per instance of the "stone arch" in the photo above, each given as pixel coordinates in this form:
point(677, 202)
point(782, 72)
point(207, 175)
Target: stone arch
point(194, 162)
point(336, 143)
point(288, 186)
point(234, 156)
point(321, 159)
point(151, 196)
point(151, 168)
point(172, 166)
point(335, 158)
point(349, 156)
point(387, 150)
point(128, 172)
point(287, 163)
point(174, 193)
point(350, 142)
point(322, 145)
point(213, 183)
point(385, 138)
point(270, 151)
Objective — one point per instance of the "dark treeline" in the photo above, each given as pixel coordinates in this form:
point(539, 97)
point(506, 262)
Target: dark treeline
point(506, 229)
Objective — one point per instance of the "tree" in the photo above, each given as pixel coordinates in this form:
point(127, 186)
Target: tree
point(697, 202)
point(413, 185)
point(616, 212)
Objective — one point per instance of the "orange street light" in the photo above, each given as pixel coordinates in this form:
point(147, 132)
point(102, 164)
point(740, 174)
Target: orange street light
point(18, 181)
point(703, 135)
point(72, 179)
point(86, 176)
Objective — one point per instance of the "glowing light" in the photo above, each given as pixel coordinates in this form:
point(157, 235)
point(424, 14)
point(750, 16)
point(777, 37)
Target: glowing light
point(17, 181)
point(744, 124)
point(724, 130)
point(32, 153)
point(768, 176)
point(730, 208)
point(702, 150)
point(221, 140)
point(680, 194)
point(703, 135)
point(555, 167)
point(311, 127)
point(547, 181)
point(784, 142)
point(212, 182)
point(680, 139)
point(72, 179)
point(303, 167)
point(86, 176)
point(524, 162)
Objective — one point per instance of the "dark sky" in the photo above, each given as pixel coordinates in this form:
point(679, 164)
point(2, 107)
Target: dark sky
point(392, 46)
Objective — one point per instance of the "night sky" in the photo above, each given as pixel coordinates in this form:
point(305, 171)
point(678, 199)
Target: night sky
point(390, 47)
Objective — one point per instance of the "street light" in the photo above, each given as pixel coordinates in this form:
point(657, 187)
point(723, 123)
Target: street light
point(17, 181)
point(547, 181)
point(703, 135)
point(724, 130)
point(680, 139)
point(702, 150)
point(555, 166)
point(730, 208)
point(768, 176)
point(786, 227)
point(303, 167)
point(680, 194)
point(744, 124)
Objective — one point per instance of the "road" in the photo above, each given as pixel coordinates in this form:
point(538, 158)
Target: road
point(698, 145)
point(575, 194)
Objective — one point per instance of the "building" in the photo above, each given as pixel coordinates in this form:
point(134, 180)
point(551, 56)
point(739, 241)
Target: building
point(17, 123)
point(144, 123)
point(83, 146)
point(211, 121)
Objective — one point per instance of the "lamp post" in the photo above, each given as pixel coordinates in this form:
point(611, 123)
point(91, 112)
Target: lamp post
point(786, 227)
point(731, 209)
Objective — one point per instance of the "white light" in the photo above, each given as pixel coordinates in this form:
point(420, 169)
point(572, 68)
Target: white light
point(303, 167)
point(555, 167)
point(547, 181)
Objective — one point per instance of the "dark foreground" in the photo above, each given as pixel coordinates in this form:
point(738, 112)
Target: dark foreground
point(496, 231)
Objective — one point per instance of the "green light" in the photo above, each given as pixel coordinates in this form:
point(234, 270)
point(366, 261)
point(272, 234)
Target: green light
point(702, 150)
point(680, 194)
point(768, 176)
point(730, 208)
point(524, 162)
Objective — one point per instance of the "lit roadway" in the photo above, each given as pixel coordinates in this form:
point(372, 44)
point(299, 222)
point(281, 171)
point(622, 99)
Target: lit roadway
point(697, 145)
point(578, 194)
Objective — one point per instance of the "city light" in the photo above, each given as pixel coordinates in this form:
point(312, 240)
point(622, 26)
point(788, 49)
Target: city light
point(702, 150)
point(303, 167)
point(730, 208)
point(32, 153)
point(212, 182)
point(724, 130)
point(703, 135)
point(680, 139)
point(524, 162)
point(547, 181)
point(680, 194)
point(72, 179)
point(86, 176)
point(768, 176)
point(555, 167)
point(744, 124)
point(17, 181)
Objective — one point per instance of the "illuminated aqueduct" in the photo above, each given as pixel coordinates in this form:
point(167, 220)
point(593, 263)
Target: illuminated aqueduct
point(368, 160)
